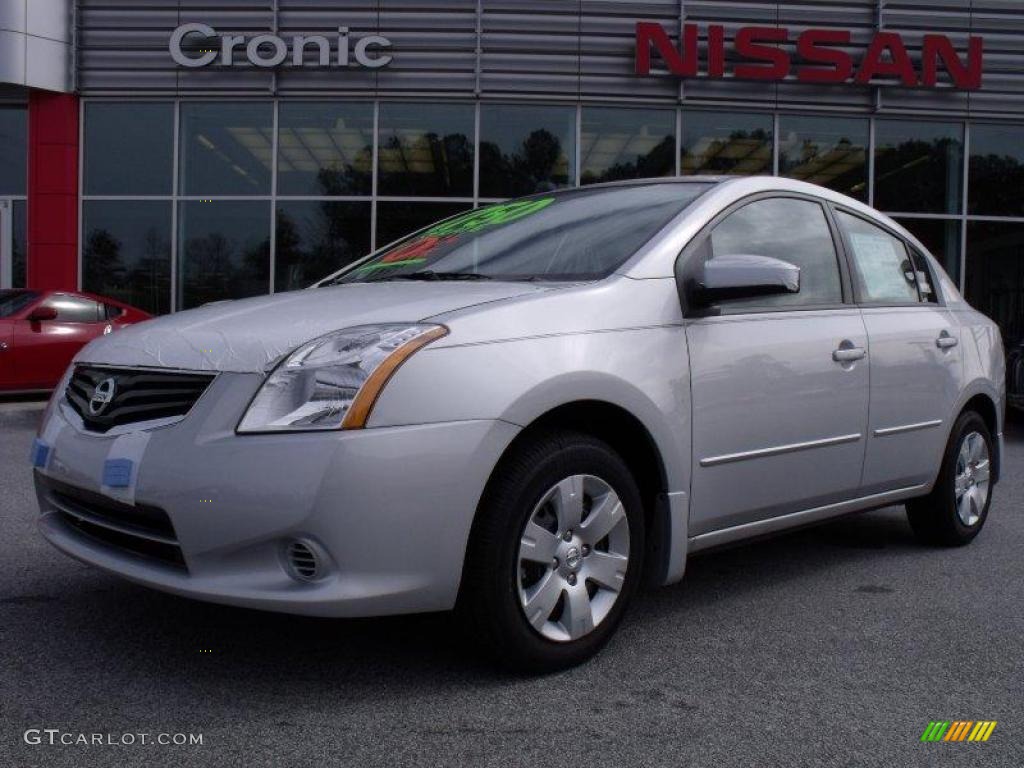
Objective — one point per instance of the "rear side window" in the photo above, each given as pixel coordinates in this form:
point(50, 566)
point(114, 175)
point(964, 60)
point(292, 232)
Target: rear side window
point(791, 230)
point(882, 268)
point(74, 309)
point(925, 277)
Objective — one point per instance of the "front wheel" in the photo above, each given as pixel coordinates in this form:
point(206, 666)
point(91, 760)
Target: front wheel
point(956, 509)
point(556, 553)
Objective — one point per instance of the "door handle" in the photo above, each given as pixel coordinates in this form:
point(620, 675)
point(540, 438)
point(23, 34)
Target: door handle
point(848, 353)
point(945, 341)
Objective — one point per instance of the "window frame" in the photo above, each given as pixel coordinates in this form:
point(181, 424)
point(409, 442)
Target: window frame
point(691, 254)
point(907, 245)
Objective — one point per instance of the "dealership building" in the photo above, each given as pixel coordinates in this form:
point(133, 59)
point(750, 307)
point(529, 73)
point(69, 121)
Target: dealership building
point(173, 153)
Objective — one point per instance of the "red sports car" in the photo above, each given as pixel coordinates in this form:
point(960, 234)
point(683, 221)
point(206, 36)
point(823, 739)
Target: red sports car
point(40, 331)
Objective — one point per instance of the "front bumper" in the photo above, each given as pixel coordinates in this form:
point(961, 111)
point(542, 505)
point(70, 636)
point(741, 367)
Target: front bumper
point(389, 509)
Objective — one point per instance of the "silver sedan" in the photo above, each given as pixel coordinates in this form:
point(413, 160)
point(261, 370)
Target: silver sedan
point(527, 410)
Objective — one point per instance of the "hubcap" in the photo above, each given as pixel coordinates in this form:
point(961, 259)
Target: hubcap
point(973, 471)
point(573, 557)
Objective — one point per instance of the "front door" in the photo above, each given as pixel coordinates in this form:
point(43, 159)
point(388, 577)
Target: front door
point(779, 384)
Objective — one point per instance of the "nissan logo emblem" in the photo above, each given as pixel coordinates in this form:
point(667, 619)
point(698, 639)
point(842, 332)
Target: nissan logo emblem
point(102, 395)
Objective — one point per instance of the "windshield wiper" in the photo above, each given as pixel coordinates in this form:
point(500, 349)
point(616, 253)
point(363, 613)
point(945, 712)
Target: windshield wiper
point(429, 274)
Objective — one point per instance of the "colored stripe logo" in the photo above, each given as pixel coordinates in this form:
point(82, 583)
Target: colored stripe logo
point(958, 730)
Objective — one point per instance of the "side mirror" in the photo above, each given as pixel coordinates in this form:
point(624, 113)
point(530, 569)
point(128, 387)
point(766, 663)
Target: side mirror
point(42, 313)
point(743, 276)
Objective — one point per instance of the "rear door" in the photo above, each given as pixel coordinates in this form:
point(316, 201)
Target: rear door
point(778, 420)
point(916, 359)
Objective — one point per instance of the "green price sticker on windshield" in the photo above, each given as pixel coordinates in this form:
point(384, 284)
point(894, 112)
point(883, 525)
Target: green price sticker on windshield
point(491, 216)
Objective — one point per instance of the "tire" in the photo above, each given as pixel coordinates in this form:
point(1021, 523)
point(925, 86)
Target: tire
point(511, 567)
point(956, 509)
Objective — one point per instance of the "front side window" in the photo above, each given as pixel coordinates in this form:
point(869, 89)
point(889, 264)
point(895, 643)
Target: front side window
point(793, 230)
point(580, 235)
point(74, 309)
point(881, 265)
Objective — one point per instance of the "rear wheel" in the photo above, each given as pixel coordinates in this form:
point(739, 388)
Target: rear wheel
point(556, 553)
point(956, 509)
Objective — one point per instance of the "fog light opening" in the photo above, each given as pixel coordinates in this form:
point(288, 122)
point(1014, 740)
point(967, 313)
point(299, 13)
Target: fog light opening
point(303, 561)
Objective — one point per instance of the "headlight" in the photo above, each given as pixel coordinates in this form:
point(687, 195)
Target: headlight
point(332, 382)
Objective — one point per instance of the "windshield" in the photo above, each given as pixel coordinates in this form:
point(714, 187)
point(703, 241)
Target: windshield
point(12, 302)
point(571, 236)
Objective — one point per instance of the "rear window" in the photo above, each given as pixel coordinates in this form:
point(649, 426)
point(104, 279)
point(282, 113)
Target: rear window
point(576, 235)
point(12, 302)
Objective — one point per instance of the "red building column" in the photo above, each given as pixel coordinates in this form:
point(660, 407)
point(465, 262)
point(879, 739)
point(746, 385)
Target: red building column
point(52, 191)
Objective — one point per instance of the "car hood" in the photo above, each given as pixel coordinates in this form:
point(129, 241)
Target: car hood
point(250, 334)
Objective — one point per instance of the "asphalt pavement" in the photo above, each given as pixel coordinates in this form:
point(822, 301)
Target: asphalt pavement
point(832, 646)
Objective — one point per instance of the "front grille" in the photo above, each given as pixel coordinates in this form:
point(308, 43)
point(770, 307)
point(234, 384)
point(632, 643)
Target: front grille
point(111, 397)
point(142, 530)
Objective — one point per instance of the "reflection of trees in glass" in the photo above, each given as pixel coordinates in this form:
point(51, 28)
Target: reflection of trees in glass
point(216, 268)
point(919, 175)
point(538, 165)
point(143, 282)
point(339, 182)
point(659, 161)
point(840, 165)
point(321, 243)
point(429, 165)
point(995, 275)
point(996, 184)
point(103, 263)
point(740, 152)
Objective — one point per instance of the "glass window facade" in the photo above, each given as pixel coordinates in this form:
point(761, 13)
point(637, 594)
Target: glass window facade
point(918, 166)
point(126, 252)
point(226, 148)
point(996, 170)
point(19, 246)
point(129, 149)
point(325, 150)
point(352, 175)
point(830, 151)
point(726, 143)
point(13, 150)
point(626, 144)
point(526, 149)
point(426, 150)
point(995, 275)
point(223, 250)
point(317, 237)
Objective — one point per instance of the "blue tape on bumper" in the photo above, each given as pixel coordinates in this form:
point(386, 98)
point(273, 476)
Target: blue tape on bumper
point(40, 453)
point(117, 473)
